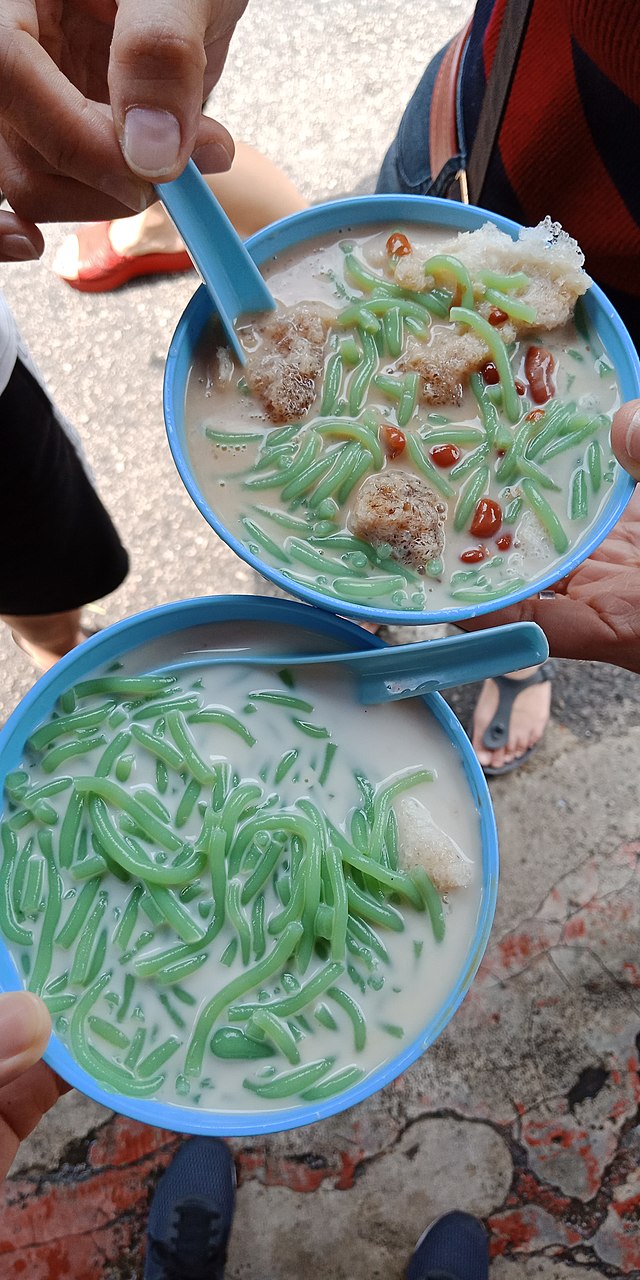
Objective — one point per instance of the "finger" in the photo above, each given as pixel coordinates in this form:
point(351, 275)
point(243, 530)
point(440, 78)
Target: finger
point(79, 140)
point(20, 241)
point(157, 69)
point(22, 1106)
point(25, 1027)
point(47, 197)
point(572, 627)
point(625, 437)
point(210, 156)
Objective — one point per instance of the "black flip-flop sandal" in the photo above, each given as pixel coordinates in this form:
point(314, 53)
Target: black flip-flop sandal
point(496, 734)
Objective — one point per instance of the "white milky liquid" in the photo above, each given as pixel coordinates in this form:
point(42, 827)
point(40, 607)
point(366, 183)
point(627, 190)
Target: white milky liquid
point(380, 742)
point(308, 275)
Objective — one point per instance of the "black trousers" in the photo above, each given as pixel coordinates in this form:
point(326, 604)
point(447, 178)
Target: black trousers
point(58, 546)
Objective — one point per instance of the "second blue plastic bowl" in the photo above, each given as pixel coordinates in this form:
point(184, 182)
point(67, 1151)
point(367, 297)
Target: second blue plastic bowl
point(342, 216)
point(110, 645)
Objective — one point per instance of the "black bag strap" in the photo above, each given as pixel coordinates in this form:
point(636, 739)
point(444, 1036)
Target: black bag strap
point(512, 33)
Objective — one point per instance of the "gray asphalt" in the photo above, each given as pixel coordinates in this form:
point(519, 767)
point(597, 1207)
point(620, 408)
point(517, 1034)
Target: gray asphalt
point(320, 92)
point(322, 96)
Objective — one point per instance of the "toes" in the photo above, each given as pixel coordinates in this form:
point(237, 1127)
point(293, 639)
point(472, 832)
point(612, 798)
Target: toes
point(66, 262)
point(484, 711)
point(492, 759)
point(522, 743)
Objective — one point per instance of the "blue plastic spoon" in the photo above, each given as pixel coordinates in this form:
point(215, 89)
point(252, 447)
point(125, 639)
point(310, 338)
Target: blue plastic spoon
point(229, 273)
point(410, 670)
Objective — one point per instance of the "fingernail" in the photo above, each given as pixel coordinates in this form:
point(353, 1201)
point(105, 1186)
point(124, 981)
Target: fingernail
point(150, 141)
point(632, 439)
point(135, 196)
point(18, 248)
point(23, 1021)
point(213, 158)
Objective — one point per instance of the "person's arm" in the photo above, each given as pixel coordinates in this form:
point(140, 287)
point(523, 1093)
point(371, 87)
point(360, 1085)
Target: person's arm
point(28, 1087)
point(121, 87)
point(595, 613)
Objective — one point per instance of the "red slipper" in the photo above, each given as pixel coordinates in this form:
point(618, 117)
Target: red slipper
point(101, 268)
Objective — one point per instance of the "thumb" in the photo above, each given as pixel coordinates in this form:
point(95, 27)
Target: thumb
point(625, 437)
point(20, 241)
point(159, 73)
point(25, 1027)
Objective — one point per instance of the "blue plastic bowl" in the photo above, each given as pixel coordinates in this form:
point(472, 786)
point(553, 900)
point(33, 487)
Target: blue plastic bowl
point(344, 215)
point(165, 621)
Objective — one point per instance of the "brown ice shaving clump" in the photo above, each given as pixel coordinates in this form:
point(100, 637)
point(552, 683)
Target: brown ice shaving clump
point(284, 368)
point(400, 510)
point(423, 844)
point(531, 539)
point(551, 259)
point(544, 251)
point(445, 364)
point(409, 272)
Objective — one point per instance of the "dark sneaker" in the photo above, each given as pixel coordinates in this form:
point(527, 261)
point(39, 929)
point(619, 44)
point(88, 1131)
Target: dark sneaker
point(191, 1214)
point(454, 1247)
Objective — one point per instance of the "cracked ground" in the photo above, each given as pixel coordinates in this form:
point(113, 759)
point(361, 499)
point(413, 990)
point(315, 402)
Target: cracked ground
point(526, 1109)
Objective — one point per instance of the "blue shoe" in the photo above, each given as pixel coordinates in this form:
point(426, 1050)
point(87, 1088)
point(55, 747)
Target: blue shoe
point(454, 1247)
point(191, 1214)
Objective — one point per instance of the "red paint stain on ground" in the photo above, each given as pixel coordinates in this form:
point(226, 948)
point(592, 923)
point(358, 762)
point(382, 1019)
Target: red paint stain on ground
point(509, 1231)
point(297, 1175)
point(74, 1258)
point(527, 1190)
point(301, 1175)
point(526, 1228)
point(125, 1141)
point(514, 949)
point(61, 1209)
point(538, 1134)
point(630, 1251)
point(618, 1109)
point(349, 1163)
point(631, 973)
point(633, 1077)
point(547, 1137)
point(248, 1164)
point(74, 1227)
point(628, 854)
point(627, 1205)
point(627, 1237)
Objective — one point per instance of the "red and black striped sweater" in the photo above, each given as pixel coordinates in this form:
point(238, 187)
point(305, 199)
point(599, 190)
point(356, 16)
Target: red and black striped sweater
point(568, 144)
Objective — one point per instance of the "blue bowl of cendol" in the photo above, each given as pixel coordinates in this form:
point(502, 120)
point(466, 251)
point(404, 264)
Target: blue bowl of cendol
point(508, 489)
point(162, 813)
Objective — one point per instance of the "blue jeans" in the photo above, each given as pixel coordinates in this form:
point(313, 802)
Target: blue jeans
point(405, 168)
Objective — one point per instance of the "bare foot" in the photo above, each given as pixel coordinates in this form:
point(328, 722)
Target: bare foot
point(148, 232)
point(529, 718)
point(45, 638)
point(44, 658)
point(253, 193)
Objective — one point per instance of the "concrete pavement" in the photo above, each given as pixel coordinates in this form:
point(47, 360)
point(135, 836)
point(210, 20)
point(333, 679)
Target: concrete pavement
point(526, 1110)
